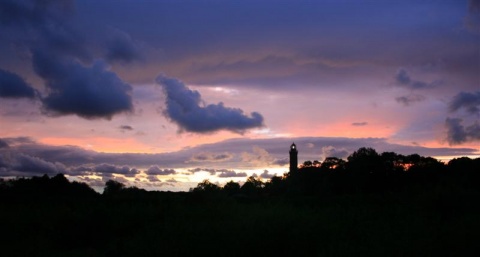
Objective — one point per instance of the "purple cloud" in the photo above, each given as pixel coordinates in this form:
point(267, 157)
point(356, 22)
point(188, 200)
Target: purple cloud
point(155, 170)
point(121, 48)
point(13, 86)
point(186, 108)
point(467, 101)
point(457, 133)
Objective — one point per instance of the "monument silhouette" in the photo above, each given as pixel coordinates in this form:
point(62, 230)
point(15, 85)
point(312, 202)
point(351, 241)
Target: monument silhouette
point(293, 158)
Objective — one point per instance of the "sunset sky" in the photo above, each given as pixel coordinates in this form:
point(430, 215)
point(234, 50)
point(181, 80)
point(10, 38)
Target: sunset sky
point(163, 94)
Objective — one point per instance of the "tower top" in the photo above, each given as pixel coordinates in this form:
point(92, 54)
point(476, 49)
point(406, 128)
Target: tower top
point(293, 146)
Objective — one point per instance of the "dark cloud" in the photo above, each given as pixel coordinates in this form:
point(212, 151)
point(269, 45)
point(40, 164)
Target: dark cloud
point(470, 102)
point(403, 79)
point(126, 127)
point(122, 48)
point(105, 168)
point(472, 20)
point(59, 56)
point(186, 108)
point(211, 157)
point(265, 175)
point(20, 164)
point(44, 23)
point(457, 133)
point(153, 178)
point(33, 12)
point(281, 161)
point(19, 140)
point(3, 144)
point(410, 99)
point(155, 170)
point(89, 92)
point(330, 151)
point(81, 170)
point(211, 171)
point(359, 124)
point(231, 174)
point(13, 86)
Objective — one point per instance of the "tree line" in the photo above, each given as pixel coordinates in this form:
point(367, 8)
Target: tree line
point(364, 171)
point(370, 204)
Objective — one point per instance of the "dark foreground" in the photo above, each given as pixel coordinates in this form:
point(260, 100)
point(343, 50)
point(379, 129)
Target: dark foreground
point(371, 205)
point(185, 224)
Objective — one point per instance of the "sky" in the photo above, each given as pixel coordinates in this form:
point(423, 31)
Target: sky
point(164, 94)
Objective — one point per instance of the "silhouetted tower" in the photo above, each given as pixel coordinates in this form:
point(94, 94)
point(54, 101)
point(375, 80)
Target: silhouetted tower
point(293, 158)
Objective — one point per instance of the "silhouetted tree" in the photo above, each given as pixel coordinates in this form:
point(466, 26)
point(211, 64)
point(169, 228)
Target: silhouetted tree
point(276, 185)
point(427, 164)
point(365, 160)
point(207, 187)
point(333, 163)
point(307, 164)
point(231, 188)
point(393, 162)
point(253, 185)
point(113, 187)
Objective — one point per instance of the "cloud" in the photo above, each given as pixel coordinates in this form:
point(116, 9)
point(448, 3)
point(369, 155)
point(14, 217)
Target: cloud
point(410, 99)
point(472, 20)
point(3, 144)
point(33, 12)
point(89, 92)
point(230, 174)
point(122, 48)
point(126, 127)
point(45, 23)
point(265, 175)
point(211, 157)
point(105, 168)
point(80, 170)
point(359, 124)
point(470, 102)
point(403, 79)
point(13, 86)
point(153, 178)
point(275, 151)
point(221, 173)
point(186, 108)
point(20, 164)
point(211, 171)
point(281, 161)
point(330, 151)
point(259, 157)
point(457, 133)
point(155, 170)
point(59, 56)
